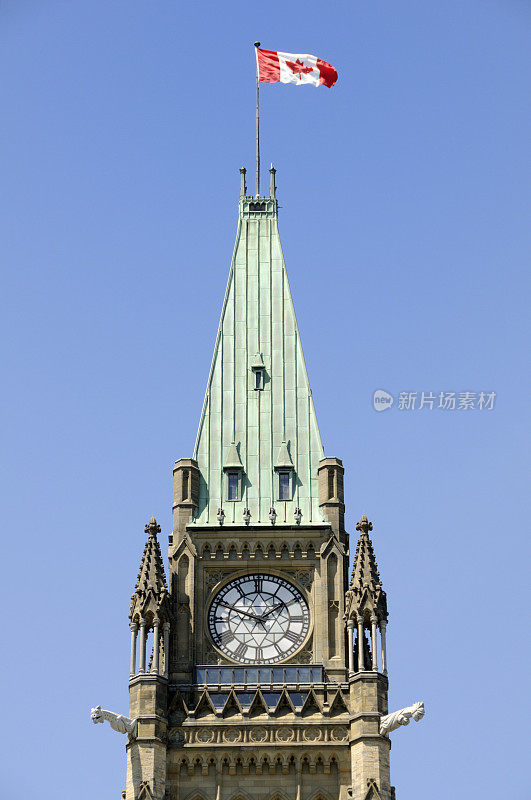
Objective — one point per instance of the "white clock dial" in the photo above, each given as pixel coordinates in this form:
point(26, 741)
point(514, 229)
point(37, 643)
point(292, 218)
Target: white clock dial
point(258, 619)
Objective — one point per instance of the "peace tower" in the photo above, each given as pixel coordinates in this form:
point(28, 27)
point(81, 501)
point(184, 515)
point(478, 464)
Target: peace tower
point(258, 671)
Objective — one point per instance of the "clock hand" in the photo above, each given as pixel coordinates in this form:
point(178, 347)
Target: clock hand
point(239, 611)
point(275, 608)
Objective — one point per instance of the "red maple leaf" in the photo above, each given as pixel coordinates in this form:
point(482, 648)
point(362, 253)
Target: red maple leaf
point(298, 68)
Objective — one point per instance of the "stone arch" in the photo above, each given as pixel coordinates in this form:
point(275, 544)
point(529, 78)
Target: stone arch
point(219, 551)
point(233, 551)
point(183, 567)
point(206, 552)
point(278, 795)
point(310, 550)
point(297, 550)
point(284, 550)
point(320, 794)
point(245, 550)
point(195, 794)
point(271, 550)
point(258, 550)
point(240, 794)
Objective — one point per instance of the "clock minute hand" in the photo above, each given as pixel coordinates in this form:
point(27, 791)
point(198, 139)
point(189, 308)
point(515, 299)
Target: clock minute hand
point(275, 608)
point(239, 611)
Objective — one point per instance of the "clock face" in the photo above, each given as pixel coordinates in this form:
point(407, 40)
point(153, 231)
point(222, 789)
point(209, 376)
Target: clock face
point(257, 619)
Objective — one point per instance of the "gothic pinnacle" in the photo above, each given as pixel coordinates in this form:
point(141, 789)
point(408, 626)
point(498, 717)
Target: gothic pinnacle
point(151, 582)
point(365, 592)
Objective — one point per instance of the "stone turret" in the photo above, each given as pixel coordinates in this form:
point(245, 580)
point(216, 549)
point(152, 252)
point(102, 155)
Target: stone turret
point(148, 685)
point(366, 609)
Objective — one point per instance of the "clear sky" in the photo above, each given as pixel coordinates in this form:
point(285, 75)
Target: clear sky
point(405, 226)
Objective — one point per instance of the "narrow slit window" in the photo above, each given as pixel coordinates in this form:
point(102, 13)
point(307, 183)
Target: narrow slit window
point(186, 478)
point(331, 492)
point(284, 489)
point(233, 490)
point(258, 379)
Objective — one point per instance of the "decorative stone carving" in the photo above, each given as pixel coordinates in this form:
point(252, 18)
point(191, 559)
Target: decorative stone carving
point(258, 734)
point(302, 657)
point(213, 577)
point(232, 735)
point(212, 657)
point(303, 576)
point(339, 734)
point(403, 717)
point(312, 735)
point(285, 735)
point(204, 735)
point(176, 736)
point(116, 721)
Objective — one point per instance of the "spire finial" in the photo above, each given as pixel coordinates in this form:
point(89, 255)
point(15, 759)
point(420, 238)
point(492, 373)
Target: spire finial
point(364, 526)
point(152, 528)
point(273, 188)
point(243, 183)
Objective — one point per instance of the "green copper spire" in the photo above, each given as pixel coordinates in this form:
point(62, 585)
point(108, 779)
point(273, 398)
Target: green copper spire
point(258, 406)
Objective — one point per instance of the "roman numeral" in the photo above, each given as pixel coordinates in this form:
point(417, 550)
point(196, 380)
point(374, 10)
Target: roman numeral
point(240, 650)
point(259, 654)
point(258, 584)
point(296, 619)
point(226, 638)
point(292, 637)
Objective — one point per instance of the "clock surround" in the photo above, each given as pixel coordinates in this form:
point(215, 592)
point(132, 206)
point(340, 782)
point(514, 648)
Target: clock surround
point(258, 618)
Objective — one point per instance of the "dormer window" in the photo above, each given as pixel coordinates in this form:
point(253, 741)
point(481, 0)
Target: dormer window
point(258, 369)
point(233, 484)
point(284, 484)
point(233, 469)
point(285, 472)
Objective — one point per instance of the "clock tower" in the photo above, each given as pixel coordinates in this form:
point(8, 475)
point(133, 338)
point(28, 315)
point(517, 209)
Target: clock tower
point(258, 671)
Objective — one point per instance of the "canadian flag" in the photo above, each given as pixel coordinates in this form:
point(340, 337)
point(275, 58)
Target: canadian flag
point(274, 66)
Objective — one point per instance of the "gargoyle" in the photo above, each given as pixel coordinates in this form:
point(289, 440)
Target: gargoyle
point(116, 721)
point(393, 721)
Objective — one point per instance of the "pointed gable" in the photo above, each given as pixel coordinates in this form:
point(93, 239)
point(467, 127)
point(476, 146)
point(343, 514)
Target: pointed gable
point(258, 330)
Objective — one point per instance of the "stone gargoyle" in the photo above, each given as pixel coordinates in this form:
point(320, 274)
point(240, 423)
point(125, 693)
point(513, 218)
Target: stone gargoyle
point(116, 721)
point(403, 717)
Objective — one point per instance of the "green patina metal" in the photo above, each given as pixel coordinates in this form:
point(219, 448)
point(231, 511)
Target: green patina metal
point(258, 330)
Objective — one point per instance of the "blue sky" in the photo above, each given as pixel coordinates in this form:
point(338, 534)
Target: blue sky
point(404, 221)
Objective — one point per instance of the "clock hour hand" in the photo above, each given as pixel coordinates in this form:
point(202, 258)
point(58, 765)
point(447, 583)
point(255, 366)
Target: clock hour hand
point(239, 611)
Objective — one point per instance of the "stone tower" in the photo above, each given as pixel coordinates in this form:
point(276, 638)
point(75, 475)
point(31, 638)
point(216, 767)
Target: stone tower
point(254, 670)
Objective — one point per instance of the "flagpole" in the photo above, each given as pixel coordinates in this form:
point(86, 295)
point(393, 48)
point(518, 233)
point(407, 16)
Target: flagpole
point(257, 44)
